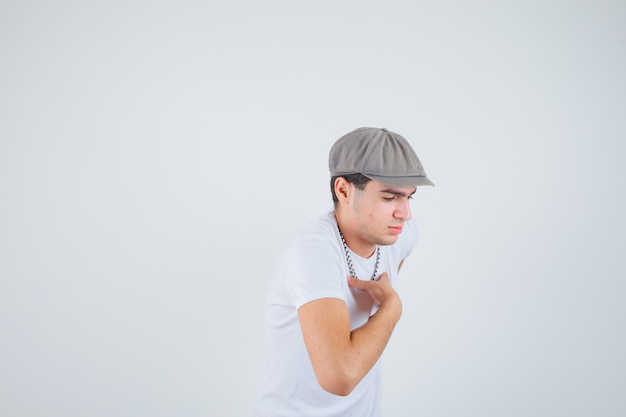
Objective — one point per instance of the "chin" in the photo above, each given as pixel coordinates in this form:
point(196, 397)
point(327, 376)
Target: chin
point(387, 240)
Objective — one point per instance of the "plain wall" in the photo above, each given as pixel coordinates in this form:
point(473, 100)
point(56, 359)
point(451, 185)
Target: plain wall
point(155, 157)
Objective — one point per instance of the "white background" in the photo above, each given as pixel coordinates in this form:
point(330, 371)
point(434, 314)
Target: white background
point(155, 157)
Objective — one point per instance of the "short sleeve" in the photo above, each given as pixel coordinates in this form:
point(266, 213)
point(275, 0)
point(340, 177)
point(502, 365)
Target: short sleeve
point(314, 271)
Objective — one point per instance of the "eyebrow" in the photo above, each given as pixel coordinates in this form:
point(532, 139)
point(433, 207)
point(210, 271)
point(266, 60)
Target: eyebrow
point(396, 192)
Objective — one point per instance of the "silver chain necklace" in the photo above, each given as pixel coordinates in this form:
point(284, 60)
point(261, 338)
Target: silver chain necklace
point(349, 259)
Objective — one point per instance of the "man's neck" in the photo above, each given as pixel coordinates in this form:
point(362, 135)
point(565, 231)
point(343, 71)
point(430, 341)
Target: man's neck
point(357, 245)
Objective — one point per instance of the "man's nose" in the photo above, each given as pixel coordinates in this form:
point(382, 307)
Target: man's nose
point(403, 211)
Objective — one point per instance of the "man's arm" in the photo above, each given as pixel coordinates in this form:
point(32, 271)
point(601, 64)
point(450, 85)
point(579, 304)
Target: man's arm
point(400, 266)
point(340, 357)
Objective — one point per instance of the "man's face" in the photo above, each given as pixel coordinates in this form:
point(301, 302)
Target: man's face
point(379, 212)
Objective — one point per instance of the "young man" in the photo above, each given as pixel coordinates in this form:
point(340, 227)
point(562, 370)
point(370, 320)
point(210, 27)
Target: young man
point(331, 306)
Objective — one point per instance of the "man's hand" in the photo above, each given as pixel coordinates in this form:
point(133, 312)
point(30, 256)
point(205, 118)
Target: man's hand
point(380, 290)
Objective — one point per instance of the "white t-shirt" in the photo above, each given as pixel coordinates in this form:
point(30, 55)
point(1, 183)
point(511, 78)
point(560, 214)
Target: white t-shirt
point(314, 267)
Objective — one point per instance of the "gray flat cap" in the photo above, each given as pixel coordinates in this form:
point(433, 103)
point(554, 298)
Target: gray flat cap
point(380, 155)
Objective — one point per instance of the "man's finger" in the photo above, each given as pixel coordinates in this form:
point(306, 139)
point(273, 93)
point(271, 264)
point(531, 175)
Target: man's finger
point(357, 283)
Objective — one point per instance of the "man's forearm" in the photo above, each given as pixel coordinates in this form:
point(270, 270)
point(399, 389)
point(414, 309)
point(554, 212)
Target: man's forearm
point(369, 341)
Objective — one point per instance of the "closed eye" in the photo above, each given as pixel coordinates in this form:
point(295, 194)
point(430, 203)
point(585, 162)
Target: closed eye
point(392, 194)
point(395, 196)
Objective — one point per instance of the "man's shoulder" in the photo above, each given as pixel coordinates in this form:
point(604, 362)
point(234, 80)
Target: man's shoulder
point(321, 227)
point(407, 240)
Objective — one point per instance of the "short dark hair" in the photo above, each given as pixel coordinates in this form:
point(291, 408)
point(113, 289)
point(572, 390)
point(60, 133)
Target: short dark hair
point(359, 181)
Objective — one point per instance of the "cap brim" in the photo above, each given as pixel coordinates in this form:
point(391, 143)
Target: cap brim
point(401, 181)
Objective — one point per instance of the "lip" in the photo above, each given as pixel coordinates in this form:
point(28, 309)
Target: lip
point(396, 230)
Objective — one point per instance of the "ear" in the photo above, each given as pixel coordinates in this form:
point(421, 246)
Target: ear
point(343, 189)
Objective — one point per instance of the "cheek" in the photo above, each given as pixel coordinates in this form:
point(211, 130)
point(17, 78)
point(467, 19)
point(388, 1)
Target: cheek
point(379, 214)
